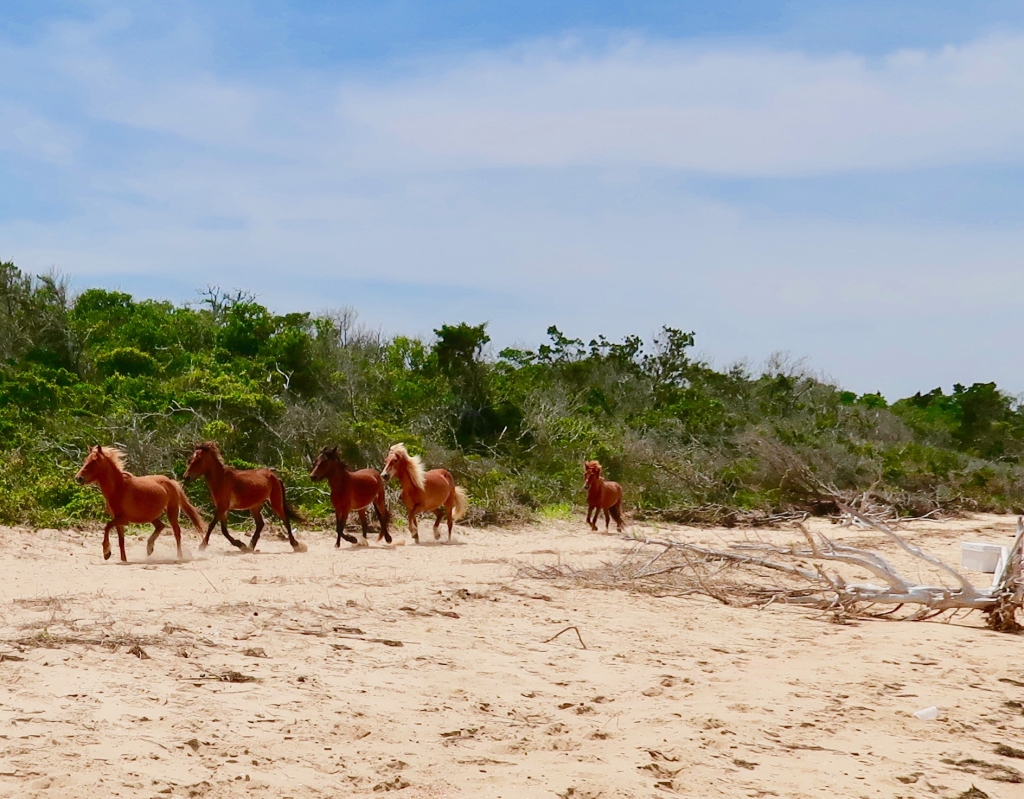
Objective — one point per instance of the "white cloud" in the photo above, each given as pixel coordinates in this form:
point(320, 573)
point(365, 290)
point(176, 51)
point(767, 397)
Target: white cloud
point(729, 111)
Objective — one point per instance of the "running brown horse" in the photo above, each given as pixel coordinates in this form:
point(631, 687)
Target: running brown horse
point(602, 495)
point(423, 492)
point(135, 500)
point(240, 489)
point(352, 491)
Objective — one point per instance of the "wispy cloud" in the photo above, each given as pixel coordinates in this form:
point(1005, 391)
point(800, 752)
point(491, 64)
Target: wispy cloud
point(728, 110)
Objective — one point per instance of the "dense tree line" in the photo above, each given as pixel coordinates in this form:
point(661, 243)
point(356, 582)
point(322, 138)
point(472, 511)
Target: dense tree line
point(687, 440)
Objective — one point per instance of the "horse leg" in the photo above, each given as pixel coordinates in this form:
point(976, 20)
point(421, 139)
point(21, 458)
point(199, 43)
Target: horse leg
point(120, 542)
point(279, 507)
point(607, 519)
point(438, 515)
point(106, 538)
point(412, 526)
point(366, 526)
point(258, 518)
point(593, 523)
point(224, 529)
point(617, 514)
point(341, 519)
point(382, 517)
point(451, 520)
point(172, 517)
point(206, 540)
point(158, 527)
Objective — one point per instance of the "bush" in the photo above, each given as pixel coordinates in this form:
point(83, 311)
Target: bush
point(687, 441)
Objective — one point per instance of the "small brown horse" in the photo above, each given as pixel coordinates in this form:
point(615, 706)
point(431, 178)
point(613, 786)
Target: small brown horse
point(352, 491)
point(238, 489)
point(602, 495)
point(423, 492)
point(139, 500)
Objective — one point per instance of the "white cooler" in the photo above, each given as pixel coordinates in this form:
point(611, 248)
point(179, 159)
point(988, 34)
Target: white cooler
point(988, 558)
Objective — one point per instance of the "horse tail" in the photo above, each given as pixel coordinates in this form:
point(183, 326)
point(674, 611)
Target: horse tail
point(461, 503)
point(289, 511)
point(190, 510)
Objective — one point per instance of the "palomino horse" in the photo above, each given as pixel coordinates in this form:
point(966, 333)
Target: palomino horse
point(602, 495)
point(238, 489)
point(352, 491)
point(139, 500)
point(423, 492)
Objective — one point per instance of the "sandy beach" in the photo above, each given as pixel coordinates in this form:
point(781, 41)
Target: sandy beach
point(432, 671)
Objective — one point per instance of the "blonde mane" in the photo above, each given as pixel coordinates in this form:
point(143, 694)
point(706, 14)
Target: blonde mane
point(115, 455)
point(415, 464)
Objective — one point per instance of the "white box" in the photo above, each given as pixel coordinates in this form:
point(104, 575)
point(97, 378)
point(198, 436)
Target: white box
point(982, 557)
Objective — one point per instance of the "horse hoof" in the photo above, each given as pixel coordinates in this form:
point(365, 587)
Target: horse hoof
point(363, 542)
point(298, 546)
point(106, 554)
point(202, 546)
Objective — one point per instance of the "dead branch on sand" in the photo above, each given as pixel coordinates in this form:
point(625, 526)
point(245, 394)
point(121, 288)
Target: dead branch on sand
point(572, 627)
point(759, 574)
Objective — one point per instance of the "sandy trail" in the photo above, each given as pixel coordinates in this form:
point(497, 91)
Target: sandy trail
point(423, 670)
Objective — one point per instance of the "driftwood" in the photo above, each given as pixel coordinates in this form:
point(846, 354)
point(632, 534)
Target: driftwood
point(801, 578)
point(1000, 602)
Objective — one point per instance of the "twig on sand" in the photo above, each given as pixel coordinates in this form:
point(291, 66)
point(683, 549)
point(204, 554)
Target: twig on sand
point(215, 588)
point(572, 627)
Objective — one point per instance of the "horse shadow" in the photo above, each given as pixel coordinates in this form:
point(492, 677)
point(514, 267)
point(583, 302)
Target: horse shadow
point(455, 542)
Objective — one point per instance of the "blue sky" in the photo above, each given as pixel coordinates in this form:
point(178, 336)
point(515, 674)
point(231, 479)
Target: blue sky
point(840, 181)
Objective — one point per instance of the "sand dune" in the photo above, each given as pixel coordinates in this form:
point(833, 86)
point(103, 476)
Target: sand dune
point(424, 671)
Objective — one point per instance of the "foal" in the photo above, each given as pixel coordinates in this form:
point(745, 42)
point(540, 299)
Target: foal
point(352, 491)
point(602, 495)
point(132, 499)
point(423, 492)
point(238, 489)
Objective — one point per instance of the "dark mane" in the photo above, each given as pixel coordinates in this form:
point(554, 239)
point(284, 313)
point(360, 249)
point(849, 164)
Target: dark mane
point(331, 454)
point(213, 448)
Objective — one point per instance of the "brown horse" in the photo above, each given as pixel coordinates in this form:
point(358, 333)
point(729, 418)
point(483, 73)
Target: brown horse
point(139, 500)
point(602, 495)
point(238, 489)
point(423, 492)
point(352, 491)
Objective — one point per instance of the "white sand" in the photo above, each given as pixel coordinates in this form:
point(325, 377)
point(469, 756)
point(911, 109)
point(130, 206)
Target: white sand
point(671, 696)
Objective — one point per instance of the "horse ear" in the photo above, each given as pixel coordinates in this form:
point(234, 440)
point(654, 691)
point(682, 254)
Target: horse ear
point(334, 450)
point(99, 448)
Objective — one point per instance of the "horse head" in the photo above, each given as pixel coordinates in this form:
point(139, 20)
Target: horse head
point(591, 472)
point(95, 462)
point(400, 461)
point(396, 454)
point(202, 459)
point(327, 458)
point(87, 474)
